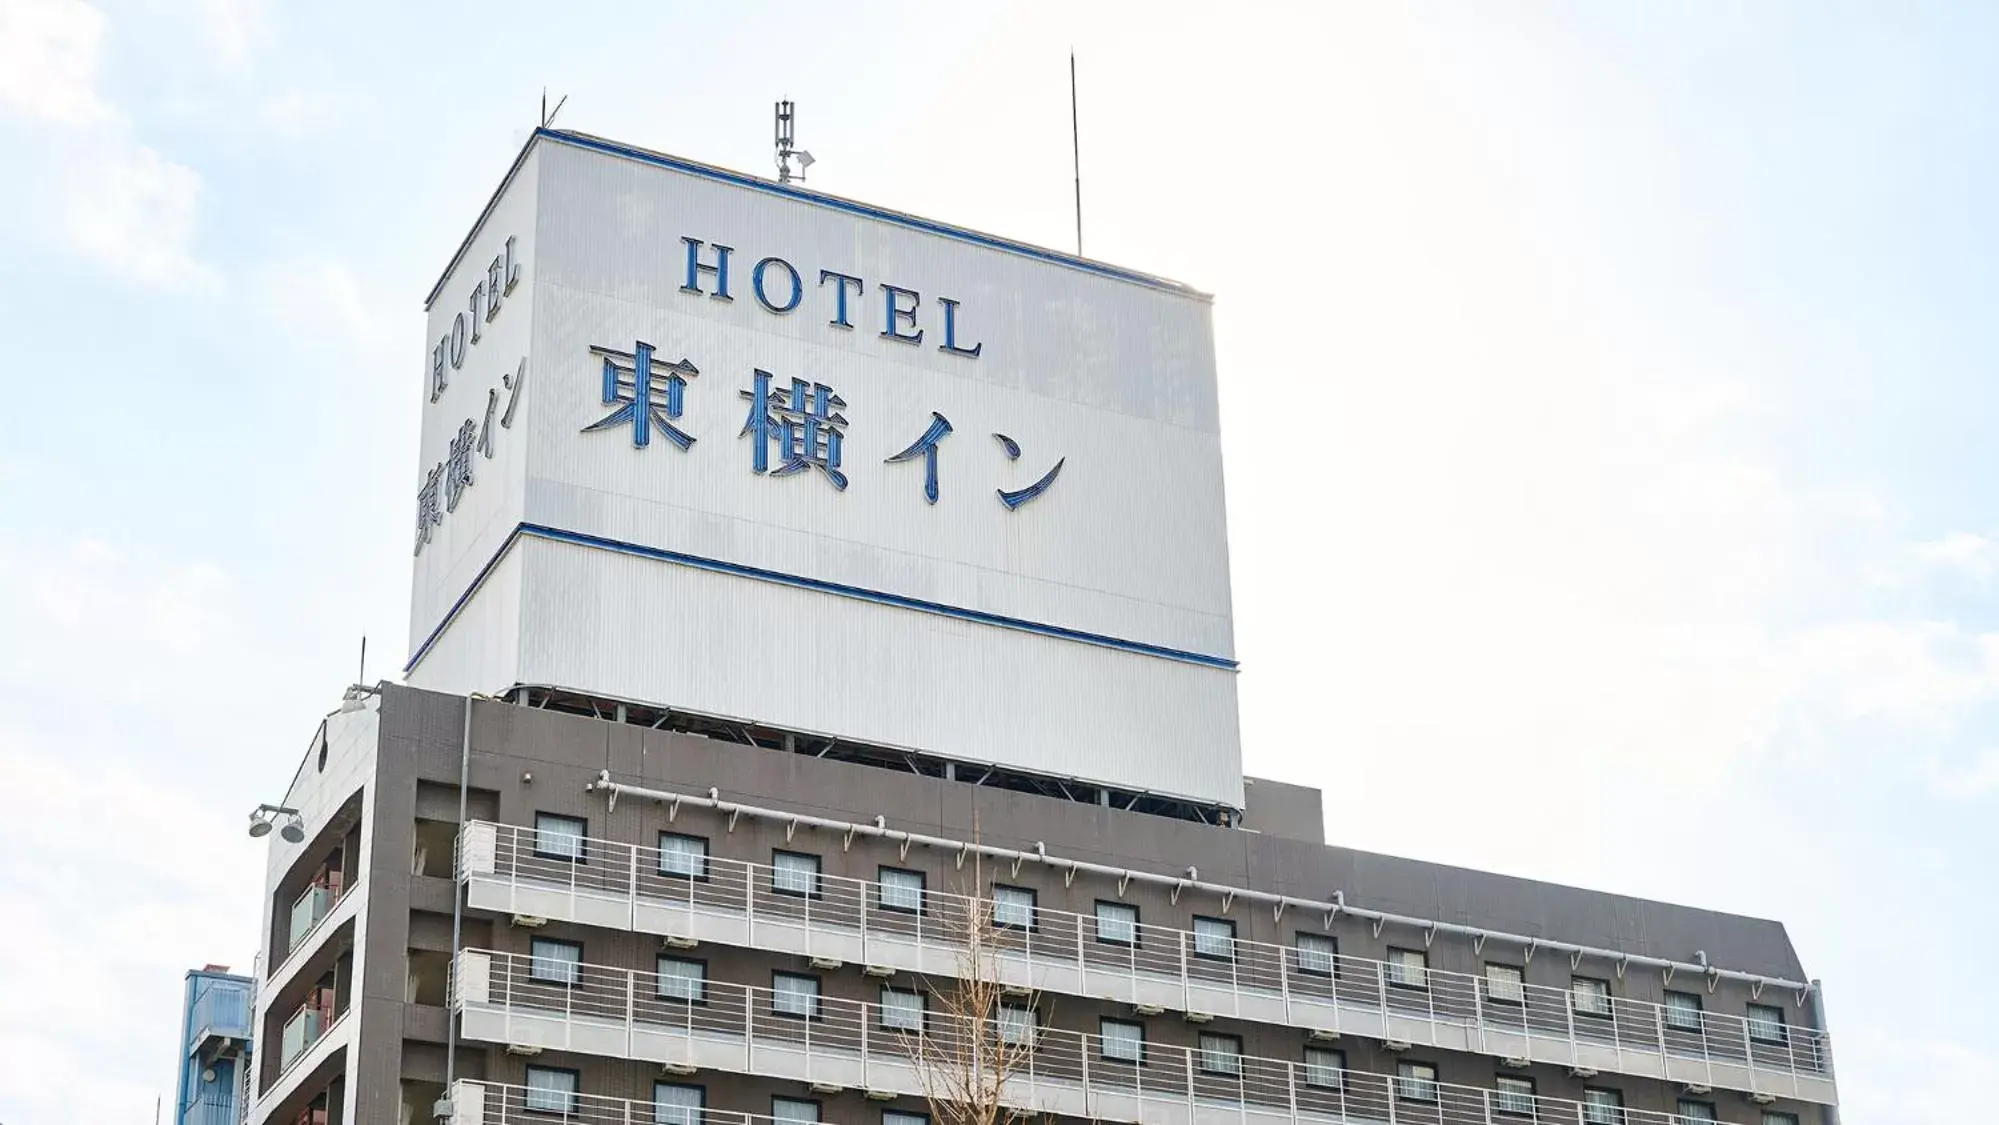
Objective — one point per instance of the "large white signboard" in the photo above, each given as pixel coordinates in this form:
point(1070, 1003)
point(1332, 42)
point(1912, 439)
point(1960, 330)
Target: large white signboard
point(704, 441)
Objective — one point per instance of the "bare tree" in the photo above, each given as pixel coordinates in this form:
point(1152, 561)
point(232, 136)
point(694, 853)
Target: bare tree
point(972, 1043)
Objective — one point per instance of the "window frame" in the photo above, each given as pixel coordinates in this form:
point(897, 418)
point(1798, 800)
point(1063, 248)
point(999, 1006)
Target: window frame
point(1501, 1096)
point(700, 1109)
point(818, 1108)
point(922, 1009)
point(1608, 1010)
point(582, 855)
point(815, 888)
point(699, 876)
point(1783, 1033)
point(1311, 1068)
point(1681, 1117)
point(1396, 969)
point(1198, 936)
point(1097, 918)
point(1332, 955)
point(1616, 1107)
point(1519, 985)
point(575, 979)
point(816, 1010)
point(1405, 1083)
point(1002, 1027)
point(1104, 1040)
point(1202, 1054)
point(660, 978)
point(908, 1117)
point(1698, 1012)
point(574, 1093)
point(1779, 1117)
point(882, 884)
point(1033, 908)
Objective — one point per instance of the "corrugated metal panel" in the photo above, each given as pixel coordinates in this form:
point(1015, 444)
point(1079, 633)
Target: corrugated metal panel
point(731, 646)
point(1112, 378)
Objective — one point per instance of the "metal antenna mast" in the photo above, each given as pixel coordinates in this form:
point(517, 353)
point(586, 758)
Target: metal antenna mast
point(1076, 152)
point(785, 152)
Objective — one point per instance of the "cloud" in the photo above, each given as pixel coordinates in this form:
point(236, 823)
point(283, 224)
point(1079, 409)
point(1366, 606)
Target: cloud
point(231, 27)
point(133, 212)
point(1973, 781)
point(50, 52)
point(1973, 556)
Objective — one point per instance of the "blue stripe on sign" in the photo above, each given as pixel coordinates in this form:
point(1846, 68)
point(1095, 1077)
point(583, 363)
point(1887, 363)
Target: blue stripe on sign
point(778, 577)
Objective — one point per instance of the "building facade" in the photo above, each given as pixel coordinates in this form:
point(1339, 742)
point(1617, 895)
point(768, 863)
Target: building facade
point(216, 1047)
point(802, 588)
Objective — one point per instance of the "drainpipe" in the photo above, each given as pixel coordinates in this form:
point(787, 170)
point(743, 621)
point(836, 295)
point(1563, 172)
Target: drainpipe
point(444, 1110)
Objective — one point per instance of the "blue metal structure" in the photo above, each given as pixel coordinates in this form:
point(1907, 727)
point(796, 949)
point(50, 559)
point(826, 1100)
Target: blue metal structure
point(216, 1037)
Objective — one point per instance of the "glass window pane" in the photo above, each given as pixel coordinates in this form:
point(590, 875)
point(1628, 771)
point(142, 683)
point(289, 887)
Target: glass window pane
point(1592, 997)
point(793, 873)
point(794, 1110)
point(550, 1090)
point(902, 890)
point(1123, 1040)
point(1317, 954)
point(1683, 1011)
point(683, 855)
point(894, 1117)
point(1324, 1067)
point(1603, 1107)
point(1692, 1112)
point(1416, 1082)
point(1214, 937)
point(1013, 906)
point(1504, 984)
point(1513, 1095)
point(557, 961)
point(1766, 1024)
point(1016, 1025)
point(674, 1104)
point(681, 979)
point(559, 837)
point(1117, 923)
point(1221, 1054)
point(902, 1009)
point(1770, 1118)
point(793, 995)
point(1409, 968)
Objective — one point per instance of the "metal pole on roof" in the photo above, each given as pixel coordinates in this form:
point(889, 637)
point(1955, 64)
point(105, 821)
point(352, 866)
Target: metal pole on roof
point(1076, 151)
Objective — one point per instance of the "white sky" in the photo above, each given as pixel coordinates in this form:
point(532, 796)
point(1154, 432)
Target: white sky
point(1606, 393)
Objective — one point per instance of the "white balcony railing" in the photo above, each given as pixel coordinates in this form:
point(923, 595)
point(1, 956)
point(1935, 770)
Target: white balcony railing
point(738, 1029)
point(305, 1027)
point(731, 902)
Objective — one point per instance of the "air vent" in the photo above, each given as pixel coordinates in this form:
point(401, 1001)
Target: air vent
point(675, 941)
point(529, 921)
point(679, 1069)
point(1147, 1009)
point(1582, 1072)
point(522, 1049)
point(881, 1095)
point(882, 971)
point(1514, 1062)
point(826, 1088)
point(1322, 1035)
point(1199, 1017)
point(827, 963)
point(1394, 1044)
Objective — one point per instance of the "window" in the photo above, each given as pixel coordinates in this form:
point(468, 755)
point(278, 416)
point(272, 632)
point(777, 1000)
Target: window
point(1117, 923)
point(1683, 1011)
point(1513, 1096)
point(1692, 1112)
point(1416, 1082)
point(1221, 1054)
point(1408, 968)
point(901, 890)
point(793, 994)
point(1013, 907)
point(1318, 955)
point(682, 979)
point(560, 837)
point(1214, 937)
point(555, 962)
point(794, 1111)
point(551, 1089)
point(675, 1104)
point(1770, 1118)
point(1505, 984)
point(1603, 1107)
point(1016, 1025)
point(1123, 1040)
point(794, 873)
point(902, 1009)
point(686, 856)
point(1590, 996)
point(1325, 1067)
point(1766, 1024)
point(898, 1117)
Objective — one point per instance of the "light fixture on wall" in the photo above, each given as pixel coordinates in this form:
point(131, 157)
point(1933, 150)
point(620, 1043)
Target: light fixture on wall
point(264, 817)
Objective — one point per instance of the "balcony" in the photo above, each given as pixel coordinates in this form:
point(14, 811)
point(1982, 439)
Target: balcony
point(624, 886)
point(219, 1023)
point(312, 908)
point(737, 1029)
point(306, 1027)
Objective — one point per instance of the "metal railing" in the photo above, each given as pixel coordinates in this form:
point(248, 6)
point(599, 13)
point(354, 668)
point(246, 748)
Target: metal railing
point(1066, 1072)
point(1204, 973)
